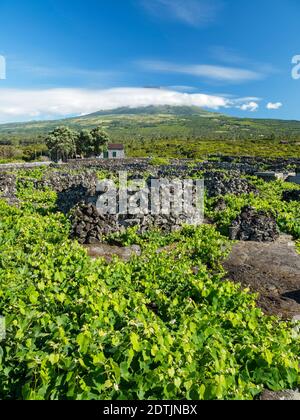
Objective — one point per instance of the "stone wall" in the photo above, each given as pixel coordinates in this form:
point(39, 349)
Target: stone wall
point(245, 165)
point(218, 183)
point(71, 188)
point(76, 182)
point(8, 187)
point(256, 226)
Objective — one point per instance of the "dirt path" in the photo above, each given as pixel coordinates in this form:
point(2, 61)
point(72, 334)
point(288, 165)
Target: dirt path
point(272, 270)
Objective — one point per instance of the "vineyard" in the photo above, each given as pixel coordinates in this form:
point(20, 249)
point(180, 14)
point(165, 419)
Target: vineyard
point(164, 325)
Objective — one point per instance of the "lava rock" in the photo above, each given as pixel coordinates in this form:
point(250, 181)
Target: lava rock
point(88, 226)
point(220, 205)
point(71, 188)
point(220, 184)
point(256, 226)
point(8, 188)
point(291, 195)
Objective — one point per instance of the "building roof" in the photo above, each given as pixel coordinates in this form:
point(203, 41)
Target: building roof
point(115, 147)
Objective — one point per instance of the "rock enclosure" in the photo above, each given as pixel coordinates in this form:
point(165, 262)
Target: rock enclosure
point(252, 225)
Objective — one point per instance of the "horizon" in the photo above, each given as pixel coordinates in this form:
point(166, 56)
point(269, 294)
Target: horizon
point(107, 113)
point(58, 61)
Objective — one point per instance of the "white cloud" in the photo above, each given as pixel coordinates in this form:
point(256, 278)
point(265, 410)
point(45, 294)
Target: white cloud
point(190, 12)
point(250, 106)
point(219, 73)
point(274, 106)
point(25, 105)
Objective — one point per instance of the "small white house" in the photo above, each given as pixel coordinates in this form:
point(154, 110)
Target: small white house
point(114, 151)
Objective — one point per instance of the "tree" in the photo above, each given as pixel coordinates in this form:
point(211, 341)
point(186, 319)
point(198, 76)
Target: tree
point(100, 140)
point(84, 144)
point(92, 143)
point(62, 143)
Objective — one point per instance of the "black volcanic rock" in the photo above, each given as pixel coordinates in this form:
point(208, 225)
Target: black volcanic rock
point(220, 184)
point(8, 188)
point(252, 225)
point(88, 226)
point(291, 195)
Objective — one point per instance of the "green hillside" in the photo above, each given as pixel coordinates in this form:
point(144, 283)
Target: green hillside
point(176, 132)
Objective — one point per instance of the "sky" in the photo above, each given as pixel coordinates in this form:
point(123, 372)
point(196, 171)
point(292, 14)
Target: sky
point(63, 58)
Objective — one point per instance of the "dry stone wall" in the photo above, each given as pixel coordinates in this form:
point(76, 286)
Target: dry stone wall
point(8, 187)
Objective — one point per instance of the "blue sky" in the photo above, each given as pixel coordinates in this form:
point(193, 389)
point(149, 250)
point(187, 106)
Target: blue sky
point(75, 57)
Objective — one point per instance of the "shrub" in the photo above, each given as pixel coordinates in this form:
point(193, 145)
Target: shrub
point(157, 161)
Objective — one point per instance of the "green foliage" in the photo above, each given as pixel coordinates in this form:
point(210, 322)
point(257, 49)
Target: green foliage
point(103, 174)
point(269, 199)
point(10, 154)
point(162, 326)
point(92, 143)
point(41, 201)
point(84, 144)
point(62, 143)
point(34, 152)
point(157, 161)
point(100, 140)
point(35, 173)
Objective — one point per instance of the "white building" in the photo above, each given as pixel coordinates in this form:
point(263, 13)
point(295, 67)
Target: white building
point(114, 151)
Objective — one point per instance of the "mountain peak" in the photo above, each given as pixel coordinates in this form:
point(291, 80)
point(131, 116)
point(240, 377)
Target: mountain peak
point(154, 110)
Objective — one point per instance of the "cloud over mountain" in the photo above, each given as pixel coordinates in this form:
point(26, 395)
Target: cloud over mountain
point(22, 105)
